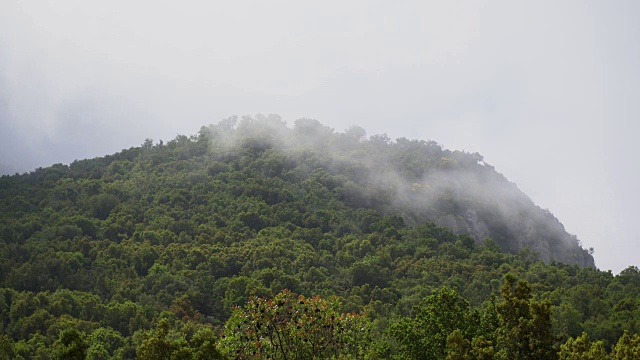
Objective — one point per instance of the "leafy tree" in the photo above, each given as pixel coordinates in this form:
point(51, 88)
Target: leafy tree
point(157, 345)
point(436, 318)
point(294, 327)
point(7, 351)
point(581, 348)
point(163, 343)
point(103, 204)
point(105, 342)
point(627, 348)
point(71, 345)
point(204, 345)
point(525, 325)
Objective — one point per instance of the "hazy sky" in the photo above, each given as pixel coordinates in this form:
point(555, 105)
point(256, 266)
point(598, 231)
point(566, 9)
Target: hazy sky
point(547, 91)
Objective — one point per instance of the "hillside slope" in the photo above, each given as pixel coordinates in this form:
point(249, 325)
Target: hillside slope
point(185, 230)
point(419, 180)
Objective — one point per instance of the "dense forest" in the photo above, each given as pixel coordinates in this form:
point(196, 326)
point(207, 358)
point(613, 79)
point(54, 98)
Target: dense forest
point(254, 240)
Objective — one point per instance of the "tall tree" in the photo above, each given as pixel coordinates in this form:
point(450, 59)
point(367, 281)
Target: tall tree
point(294, 327)
point(525, 331)
point(436, 317)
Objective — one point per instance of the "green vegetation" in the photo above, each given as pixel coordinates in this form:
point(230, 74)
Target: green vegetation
point(253, 240)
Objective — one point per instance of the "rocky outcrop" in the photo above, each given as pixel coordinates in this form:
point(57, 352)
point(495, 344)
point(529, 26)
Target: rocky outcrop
point(483, 204)
point(539, 231)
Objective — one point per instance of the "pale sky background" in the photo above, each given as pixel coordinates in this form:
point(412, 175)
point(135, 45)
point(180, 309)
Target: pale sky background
point(547, 91)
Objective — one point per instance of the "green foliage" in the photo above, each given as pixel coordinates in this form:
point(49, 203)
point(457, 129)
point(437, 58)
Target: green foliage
point(425, 336)
point(185, 230)
point(525, 325)
point(627, 348)
point(7, 351)
point(164, 344)
point(71, 345)
point(294, 327)
point(581, 348)
point(104, 342)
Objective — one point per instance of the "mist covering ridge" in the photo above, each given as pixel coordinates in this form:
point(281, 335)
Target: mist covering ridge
point(417, 179)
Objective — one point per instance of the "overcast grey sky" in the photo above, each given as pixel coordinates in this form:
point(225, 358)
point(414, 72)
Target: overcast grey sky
point(547, 91)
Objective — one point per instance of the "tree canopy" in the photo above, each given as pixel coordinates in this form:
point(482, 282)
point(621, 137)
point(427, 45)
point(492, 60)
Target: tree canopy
point(406, 249)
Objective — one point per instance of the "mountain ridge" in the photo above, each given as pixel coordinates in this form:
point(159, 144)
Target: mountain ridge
point(422, 181)
point(416, 179)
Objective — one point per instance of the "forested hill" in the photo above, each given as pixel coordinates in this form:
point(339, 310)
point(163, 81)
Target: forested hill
point(417, 180)
point(266, 166)
point(115, 257)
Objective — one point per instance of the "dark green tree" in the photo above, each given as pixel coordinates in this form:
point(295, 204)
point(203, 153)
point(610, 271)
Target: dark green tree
point(71, 345)
point(7, 351)
point(525, 325)
point(436, 317)
point(157, 345)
